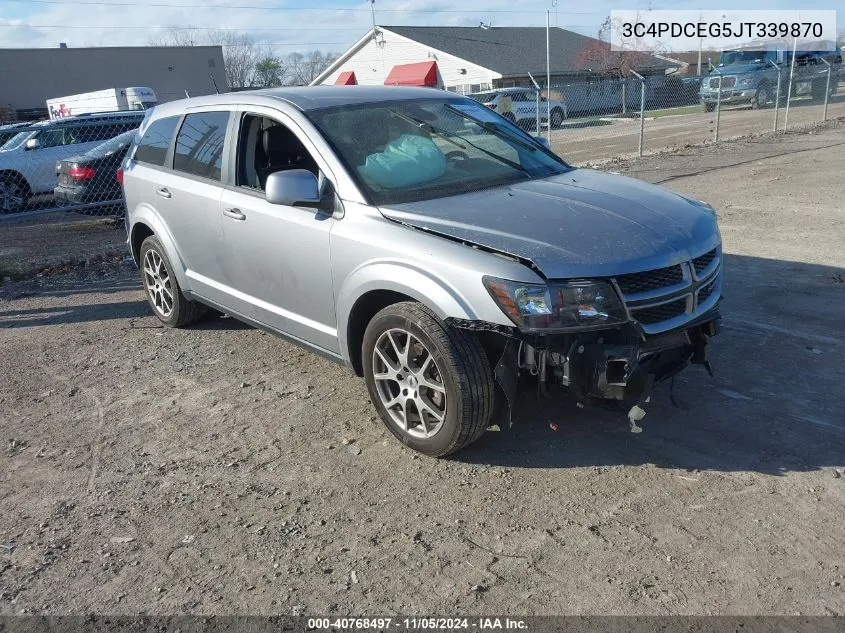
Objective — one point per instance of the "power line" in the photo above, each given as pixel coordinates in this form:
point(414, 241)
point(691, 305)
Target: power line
point(170, 26)
point(216, 7)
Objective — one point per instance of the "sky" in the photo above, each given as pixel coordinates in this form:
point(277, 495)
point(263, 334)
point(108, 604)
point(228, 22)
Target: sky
point(301, 25)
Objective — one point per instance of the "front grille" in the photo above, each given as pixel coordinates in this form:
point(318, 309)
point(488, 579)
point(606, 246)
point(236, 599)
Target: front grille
point(727, 82)
point(662, 312)
point(706, 291)
point(703, 261)
point(649, 280)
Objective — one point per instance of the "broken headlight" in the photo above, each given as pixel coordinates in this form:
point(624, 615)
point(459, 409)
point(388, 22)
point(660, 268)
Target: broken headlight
point(557, 305)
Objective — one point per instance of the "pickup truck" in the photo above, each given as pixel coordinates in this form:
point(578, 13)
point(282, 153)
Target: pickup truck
point(750, 76)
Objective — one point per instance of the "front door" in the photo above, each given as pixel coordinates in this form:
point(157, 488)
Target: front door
point(276, 257)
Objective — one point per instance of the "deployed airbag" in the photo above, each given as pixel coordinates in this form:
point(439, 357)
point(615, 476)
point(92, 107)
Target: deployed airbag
point(409, 160)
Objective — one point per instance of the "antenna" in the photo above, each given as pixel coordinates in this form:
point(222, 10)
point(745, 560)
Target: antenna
point(216, 89)
point(187, 96)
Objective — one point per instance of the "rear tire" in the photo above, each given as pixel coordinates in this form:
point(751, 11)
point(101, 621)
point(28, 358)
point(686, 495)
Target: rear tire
point(708, 107)
point(162, 290)
point(411, 356)
point(557, 117)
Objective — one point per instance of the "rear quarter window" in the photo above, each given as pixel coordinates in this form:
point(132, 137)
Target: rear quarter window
point(153, 145)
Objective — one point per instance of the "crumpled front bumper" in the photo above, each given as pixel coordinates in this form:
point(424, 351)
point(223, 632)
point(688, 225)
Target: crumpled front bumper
point(614, 368)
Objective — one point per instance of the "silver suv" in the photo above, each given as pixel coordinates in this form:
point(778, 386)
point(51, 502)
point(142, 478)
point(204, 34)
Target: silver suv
point(427, 243)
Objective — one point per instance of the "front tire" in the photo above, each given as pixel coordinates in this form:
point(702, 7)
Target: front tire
point(761, 98)
point(163, 293)
point(708, 107)
point(557, 117)
point(14, 193)
point(432, 384)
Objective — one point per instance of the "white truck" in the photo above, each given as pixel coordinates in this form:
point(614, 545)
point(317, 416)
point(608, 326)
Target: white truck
point(109, 100)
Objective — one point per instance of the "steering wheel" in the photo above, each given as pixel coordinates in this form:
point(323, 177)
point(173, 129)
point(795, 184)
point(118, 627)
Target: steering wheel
point(457, 155)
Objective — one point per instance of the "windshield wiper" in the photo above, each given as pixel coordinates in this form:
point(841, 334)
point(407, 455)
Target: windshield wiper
point(447, 135)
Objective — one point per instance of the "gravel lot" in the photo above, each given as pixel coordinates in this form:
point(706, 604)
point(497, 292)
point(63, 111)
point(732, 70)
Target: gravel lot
point(592, 142)
point(218, 470)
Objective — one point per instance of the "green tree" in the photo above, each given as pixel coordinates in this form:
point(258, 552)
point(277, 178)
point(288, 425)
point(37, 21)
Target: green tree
point(269, 72)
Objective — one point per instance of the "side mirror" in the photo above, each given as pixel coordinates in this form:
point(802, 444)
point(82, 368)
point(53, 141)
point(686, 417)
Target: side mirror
point(33, 143)
point(542, 140)
point(295, 188)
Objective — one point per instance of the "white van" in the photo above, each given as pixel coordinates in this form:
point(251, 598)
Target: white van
point(109, 100)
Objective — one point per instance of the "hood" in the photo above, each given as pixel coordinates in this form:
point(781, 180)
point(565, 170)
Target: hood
point(741, 69)
point(583, 223)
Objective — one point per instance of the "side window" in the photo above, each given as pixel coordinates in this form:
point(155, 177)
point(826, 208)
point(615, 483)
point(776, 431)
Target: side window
point(152, 148)
point(52, 138)
point(199, 144)
point(266, 146)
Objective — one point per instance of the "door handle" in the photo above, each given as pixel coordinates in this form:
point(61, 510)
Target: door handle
point(164, 192)
point(235, 214)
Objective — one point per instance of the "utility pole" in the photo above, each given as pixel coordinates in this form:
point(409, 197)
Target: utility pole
point(548, 78)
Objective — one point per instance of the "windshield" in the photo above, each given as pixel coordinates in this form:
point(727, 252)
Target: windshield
point(113, 144)
point(17, 140)
point(730, 58)
point(404, 151)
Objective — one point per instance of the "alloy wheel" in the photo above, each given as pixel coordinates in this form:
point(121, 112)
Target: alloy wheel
point(409, 383)
point(11, 196)
point(157, 282)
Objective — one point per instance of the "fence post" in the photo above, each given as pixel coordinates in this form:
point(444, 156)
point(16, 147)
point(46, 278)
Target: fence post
point(718, 105)
point(642, 109)
point(789, 87)
point(537, 107)
point(826, 88)
point(777, 96)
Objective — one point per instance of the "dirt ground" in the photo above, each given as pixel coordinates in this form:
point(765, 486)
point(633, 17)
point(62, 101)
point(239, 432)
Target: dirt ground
point(218, 470)
point(596, 140)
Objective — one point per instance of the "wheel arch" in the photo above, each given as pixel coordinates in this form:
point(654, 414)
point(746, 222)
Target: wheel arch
point(14, 173)
point(145, 223)
point(374, 287)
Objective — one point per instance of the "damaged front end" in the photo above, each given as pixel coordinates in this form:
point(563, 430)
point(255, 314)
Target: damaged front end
point(607, 341)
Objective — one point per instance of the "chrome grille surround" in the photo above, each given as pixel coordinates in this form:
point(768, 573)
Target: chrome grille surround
point(658, 309)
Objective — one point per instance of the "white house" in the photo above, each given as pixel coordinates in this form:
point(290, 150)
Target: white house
point(463, 59)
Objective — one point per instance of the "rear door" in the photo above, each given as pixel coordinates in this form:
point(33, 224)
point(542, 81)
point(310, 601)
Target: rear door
point(186, 194)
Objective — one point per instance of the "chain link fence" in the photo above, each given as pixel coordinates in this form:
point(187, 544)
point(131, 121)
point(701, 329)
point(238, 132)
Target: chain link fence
point(601, 118)
point(66, 164)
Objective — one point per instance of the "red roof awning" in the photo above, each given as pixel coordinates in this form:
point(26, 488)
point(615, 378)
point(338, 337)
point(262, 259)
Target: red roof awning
point(419, 74)
point(346, 78)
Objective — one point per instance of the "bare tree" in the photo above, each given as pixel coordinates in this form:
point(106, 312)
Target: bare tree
point(599, 58)
point(240, 52)
point(305, 68)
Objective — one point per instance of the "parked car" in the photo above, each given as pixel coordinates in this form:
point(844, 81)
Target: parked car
point(519, 105)
point(28, 160)
point(9, 130)
point(91, 178)
point(417, 237)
